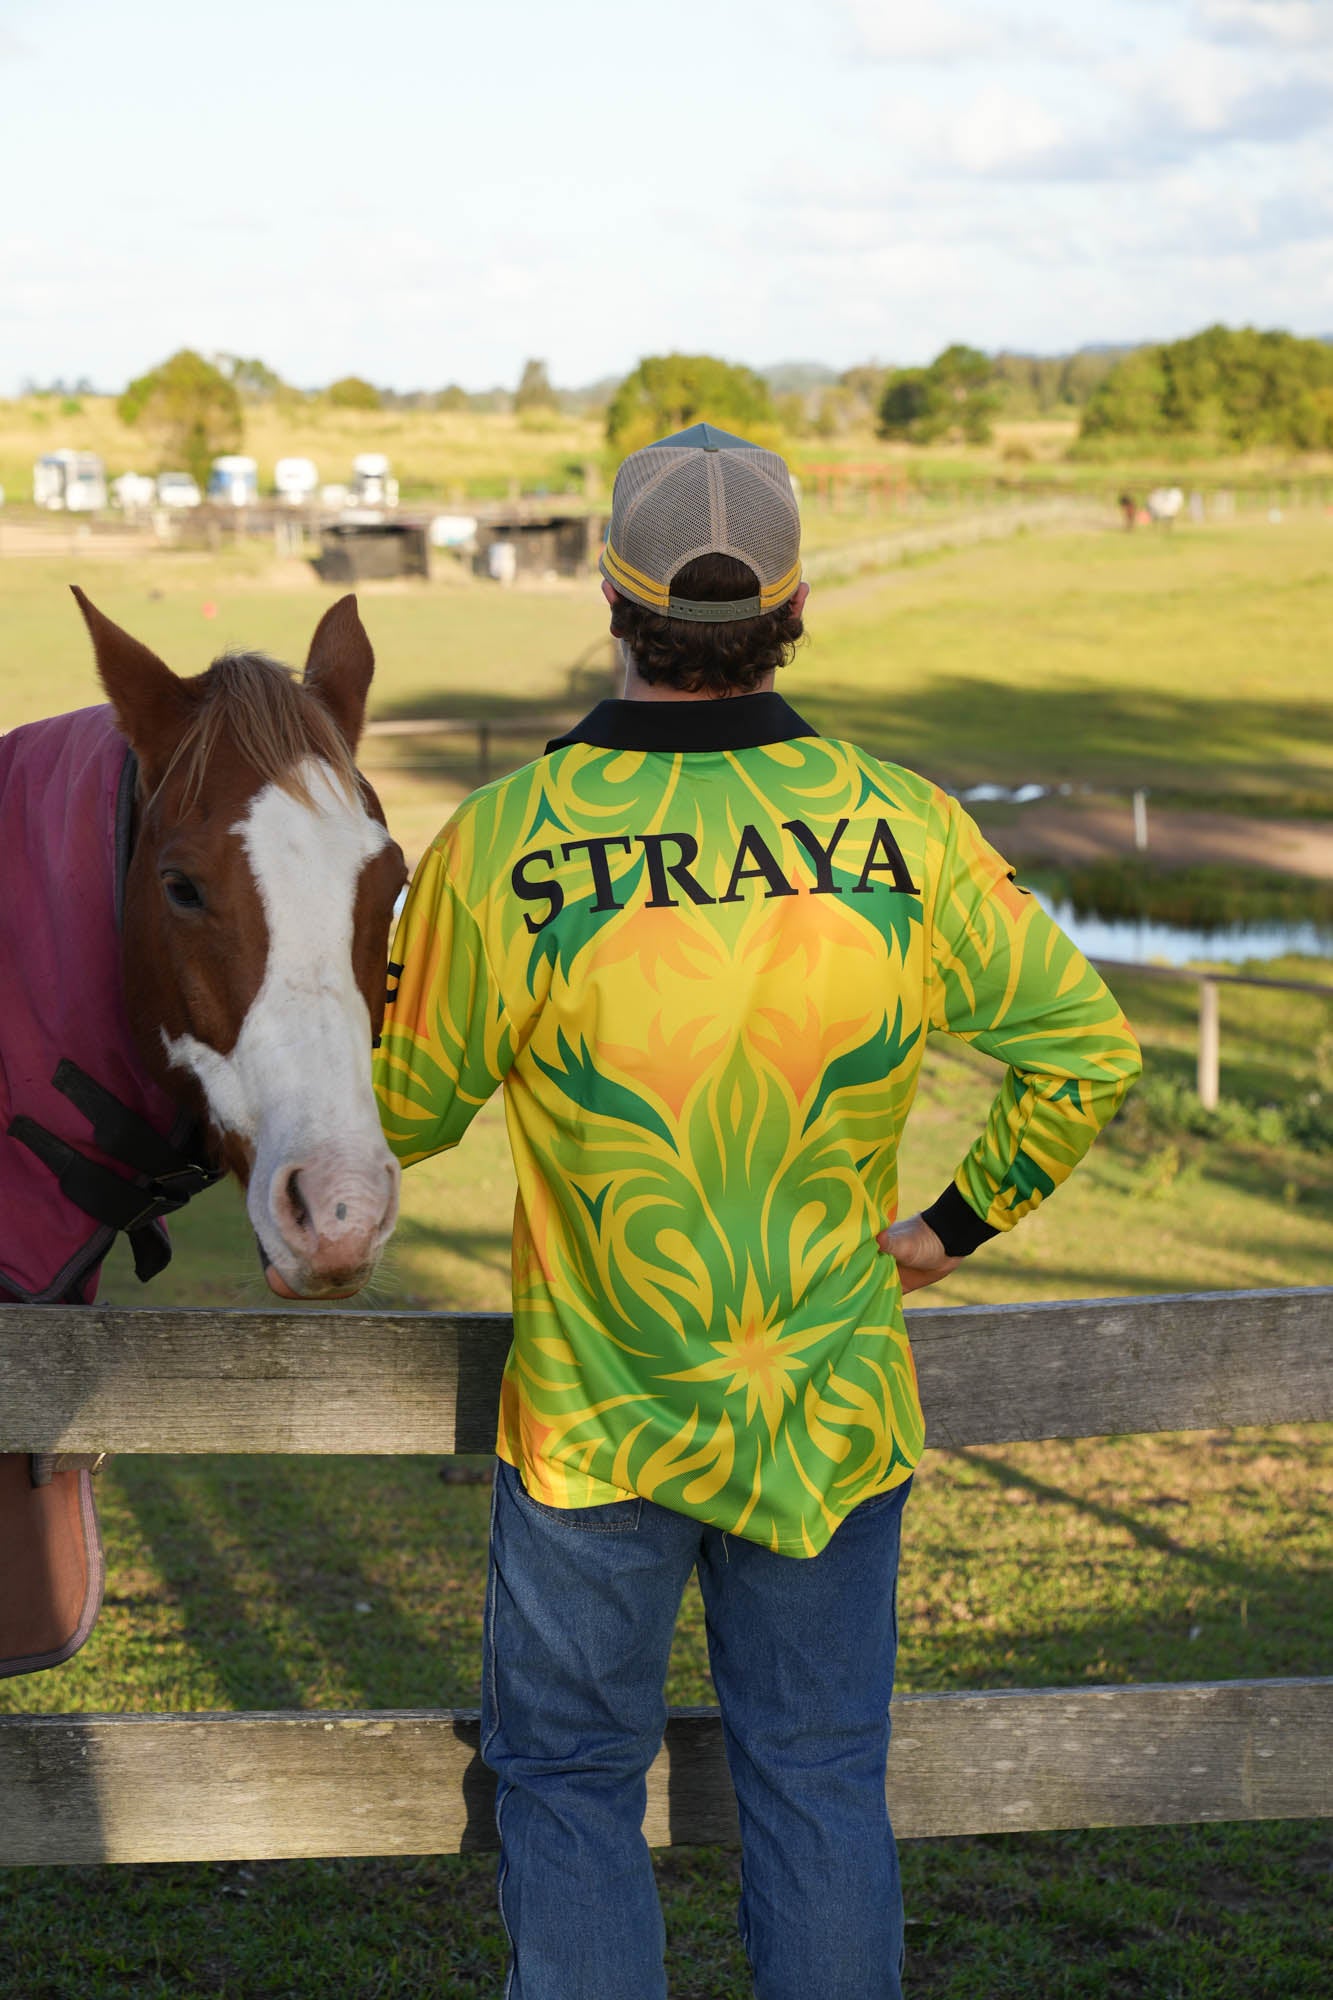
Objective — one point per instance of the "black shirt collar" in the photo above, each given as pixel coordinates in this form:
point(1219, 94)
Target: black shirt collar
point(732, 722)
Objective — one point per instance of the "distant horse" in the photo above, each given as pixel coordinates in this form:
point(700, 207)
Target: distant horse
point(196, 887)
point(1164, 505)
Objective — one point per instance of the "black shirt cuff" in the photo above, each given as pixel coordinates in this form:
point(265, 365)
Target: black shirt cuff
point(957, 1224)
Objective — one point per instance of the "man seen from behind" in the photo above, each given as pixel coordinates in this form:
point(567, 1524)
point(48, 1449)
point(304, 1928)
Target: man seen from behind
point(701, 947)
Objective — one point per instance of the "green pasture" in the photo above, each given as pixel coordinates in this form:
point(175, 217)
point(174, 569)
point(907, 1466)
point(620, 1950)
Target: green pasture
point(1193, 663)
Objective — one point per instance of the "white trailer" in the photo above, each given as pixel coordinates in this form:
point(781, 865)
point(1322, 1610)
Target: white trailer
point(70, 481)
point(134, 493)
point(372, 485)
point(296, 480)
point(233, 481)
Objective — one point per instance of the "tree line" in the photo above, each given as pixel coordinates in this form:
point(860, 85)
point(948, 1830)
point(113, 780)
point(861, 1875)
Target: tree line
point(1220, 389)
point(1225, 388)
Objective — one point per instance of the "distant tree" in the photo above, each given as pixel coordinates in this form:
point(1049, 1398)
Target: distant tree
point(254, 380)
point(190, 411)
point(1130, 401)
point(353, 392)
point(796, 412)
point(1223, 388)
point(864, 384)
point(668, 392)
point(1083, 373)
point(839, 409)
point(956, 396)
point(911, 407)
point(534, 390)
point(452, 398)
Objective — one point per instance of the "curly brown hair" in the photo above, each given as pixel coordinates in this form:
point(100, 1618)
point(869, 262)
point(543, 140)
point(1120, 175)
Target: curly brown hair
point(708, 659)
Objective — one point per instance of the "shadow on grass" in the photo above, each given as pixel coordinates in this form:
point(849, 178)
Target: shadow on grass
point(287, 1575)
point(412, 1269)
point(1108, 1613)
point(969, 728)
point(1230, 1912)
point(574, 688)
point(960, 729)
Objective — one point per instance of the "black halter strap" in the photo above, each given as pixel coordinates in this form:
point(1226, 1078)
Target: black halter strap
point(166, 1175)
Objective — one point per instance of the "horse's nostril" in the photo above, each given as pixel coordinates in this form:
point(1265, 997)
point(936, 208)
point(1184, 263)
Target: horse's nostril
point(341, 1211)
point(296, 1200)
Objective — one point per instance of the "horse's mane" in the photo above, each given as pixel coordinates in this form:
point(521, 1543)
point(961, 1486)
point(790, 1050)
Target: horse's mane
point(273, 722)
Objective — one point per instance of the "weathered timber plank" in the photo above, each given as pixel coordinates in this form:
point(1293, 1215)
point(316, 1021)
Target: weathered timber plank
point(1097, 1367)
point(135, 1380)
point(250, 1381)
point(268, 1786)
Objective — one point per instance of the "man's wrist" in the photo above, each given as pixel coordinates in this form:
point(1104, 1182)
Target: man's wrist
point(954, 1220)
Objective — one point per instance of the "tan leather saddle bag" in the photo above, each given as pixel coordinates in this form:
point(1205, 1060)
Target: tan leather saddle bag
point(51, 1564)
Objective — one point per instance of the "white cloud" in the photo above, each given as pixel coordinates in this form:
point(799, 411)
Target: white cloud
point(1284, 23)
point(1202, 102)
point(896, 31)
point(916, 31)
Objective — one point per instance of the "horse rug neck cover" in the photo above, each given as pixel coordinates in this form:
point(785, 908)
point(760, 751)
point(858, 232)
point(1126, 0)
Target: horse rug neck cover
point(77, 1107)
point(89, 1143)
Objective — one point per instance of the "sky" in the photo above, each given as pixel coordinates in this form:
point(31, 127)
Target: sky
point(423, 193)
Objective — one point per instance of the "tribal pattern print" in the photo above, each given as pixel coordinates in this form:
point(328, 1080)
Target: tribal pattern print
point(704, 982)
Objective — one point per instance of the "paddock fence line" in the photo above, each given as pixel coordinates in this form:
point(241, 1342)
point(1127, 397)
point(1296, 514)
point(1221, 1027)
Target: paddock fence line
point(1208, 1068)
point(1004, 519)
point(198, 1787)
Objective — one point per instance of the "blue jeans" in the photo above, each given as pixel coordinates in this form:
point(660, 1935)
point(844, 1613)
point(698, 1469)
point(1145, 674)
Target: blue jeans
point(581, 1604)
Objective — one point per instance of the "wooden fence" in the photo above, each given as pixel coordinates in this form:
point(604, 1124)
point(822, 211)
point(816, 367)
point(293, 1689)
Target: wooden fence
point(1209, 1065)
point(87, 1788)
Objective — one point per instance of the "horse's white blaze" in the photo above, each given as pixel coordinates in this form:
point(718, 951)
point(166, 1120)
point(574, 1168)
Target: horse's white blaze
point(296, 1085)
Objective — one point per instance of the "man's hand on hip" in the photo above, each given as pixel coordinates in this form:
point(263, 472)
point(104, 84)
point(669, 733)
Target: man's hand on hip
point(916, 1249)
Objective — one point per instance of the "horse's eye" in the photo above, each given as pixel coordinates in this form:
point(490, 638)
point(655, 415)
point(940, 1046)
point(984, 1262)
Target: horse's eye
point(181, 890)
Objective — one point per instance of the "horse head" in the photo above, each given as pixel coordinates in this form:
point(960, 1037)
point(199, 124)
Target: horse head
point(255, 932)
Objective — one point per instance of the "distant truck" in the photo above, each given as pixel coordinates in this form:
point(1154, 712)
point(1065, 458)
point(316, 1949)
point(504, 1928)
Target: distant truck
point(296, 480)
point(234, 481)
point(177, 489)
point(372, 484)
point(72, 482)
point(134, 492)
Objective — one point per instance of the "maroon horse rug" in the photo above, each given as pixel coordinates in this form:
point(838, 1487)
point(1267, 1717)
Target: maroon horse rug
point(194, 907)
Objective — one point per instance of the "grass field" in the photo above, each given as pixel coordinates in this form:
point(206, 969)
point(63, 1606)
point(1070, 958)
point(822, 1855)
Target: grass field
point(1194, 664)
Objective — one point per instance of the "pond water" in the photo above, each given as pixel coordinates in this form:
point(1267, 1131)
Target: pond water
point(1143, 942)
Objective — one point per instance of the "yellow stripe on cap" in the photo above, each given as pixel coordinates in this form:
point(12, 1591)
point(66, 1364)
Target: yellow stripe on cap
point(639, 585)
point(779, 592)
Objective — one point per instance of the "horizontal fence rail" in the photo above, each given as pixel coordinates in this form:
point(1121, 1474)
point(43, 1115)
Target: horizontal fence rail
point(137, 1788)
point(82, 1378)
point(89, 1788)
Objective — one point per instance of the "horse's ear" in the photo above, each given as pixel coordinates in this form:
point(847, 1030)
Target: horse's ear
point(154, 707)
point(340, 665)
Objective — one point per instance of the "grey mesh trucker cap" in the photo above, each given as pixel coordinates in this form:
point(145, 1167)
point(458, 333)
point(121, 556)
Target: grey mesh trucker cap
point(701, 493)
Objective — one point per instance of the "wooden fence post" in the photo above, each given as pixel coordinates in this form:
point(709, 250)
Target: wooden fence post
point(1209, 1044)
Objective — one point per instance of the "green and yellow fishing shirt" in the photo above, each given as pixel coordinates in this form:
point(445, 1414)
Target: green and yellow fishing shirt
point(701, 948)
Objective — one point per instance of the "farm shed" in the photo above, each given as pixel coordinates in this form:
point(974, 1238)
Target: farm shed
point(559, 545)
point(352, 551)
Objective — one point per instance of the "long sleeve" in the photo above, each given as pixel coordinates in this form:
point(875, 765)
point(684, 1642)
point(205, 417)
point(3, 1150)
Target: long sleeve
point(447, 1040)
point(1004, 977)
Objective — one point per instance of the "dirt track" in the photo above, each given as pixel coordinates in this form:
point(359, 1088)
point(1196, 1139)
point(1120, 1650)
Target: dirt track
point(1060, 830)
